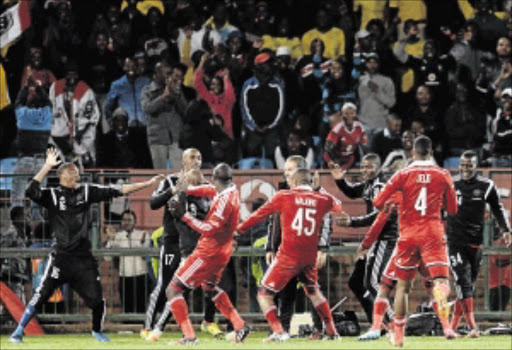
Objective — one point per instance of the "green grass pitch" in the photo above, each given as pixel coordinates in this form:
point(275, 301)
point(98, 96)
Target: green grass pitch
point(133, 341)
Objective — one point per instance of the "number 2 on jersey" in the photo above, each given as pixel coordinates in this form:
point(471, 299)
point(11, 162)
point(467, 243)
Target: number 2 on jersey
point(304, 214)
point(421, 202)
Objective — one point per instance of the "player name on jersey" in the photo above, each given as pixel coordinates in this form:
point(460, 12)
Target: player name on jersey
point(309, 202)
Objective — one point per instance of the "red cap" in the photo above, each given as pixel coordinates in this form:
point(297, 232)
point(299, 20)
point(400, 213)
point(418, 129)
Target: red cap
point(261, 58)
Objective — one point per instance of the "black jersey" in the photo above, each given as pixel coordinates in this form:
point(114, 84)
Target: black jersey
point(368, 190)
point(176, 231)
point(467, 226)
point(68, 211)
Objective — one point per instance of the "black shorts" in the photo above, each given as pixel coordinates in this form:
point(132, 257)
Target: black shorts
point(465, 263)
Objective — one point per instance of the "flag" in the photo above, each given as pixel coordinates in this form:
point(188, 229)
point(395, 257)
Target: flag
point(13, 22)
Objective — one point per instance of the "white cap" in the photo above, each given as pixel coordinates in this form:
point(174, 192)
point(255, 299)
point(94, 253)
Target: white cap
point(507, 92)
point(283, 51)
point(348, 105)
point(362, 34)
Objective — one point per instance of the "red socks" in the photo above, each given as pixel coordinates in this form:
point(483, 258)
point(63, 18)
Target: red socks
point(458, 309)
point(324, 312)
point(379, 308)
point(399, 329)
point(225, 306)
point(179, 310)
point(273, 320)
point(469, 312)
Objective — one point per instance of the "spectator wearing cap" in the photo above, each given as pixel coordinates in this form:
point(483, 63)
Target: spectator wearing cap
point(42, 76)
point(413, 46)
point(332, 37)
point(126, 93)
point(75, 116)
point(220, 95)
point(376, 97)
point(430, 70)
point(388, 139)
point(346, 140)
point(283, 38)
point(362, 48)
point(368, 10)
point(164, 103)
point(502, 132)
point(262, 102)
point(116, 149)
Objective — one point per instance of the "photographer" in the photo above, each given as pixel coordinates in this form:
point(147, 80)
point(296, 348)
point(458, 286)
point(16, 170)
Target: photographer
point(164, 103)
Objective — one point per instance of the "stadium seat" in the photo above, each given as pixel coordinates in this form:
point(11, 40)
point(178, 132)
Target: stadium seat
point(7, 166)
point(254, 163)
point(451, 162)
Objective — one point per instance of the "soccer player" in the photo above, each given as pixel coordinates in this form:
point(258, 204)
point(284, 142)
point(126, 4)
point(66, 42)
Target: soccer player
point(425, 189)
point(71, 260)
point(288, 294)
point(465, 234)
point(301, 213)
point(179, 240)
point(367, 272)
point(214, 249)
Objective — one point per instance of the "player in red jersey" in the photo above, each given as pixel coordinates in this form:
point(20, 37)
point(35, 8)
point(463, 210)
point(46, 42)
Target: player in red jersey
point(301, 211)
point(426, 188)
point(213, 251)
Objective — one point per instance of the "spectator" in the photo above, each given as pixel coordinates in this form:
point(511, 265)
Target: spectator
point(75, 116)
point(126, 93)
point(34, 124)
point(290, 81)
point(142, 64)
point(283, 38)
point(409, 10)
point(362, 48)
point(491, 27)
point(336, 89)
point(413, 46)
point(332, 37)
point(262, 105)
point(220, 95)
point(203, 38)
point(263, 20)
point(42, 76)
point(465, 126)
point(185, 48)
point(164, 103)
point(153, 41)
point(428, 113)
point(120, 32)
point(219, 22)
point(14, 271)
point(345, 139)
point(296, 144)
point(132, 269)
point(199, 131)
point(431, 70)
point(116, 149)
point(502, 67)
point(417, 128)
point(399, 158)
point(380, 39)
point(377, 96)
point(466, 53)
point(388, 139)
point(502, 132)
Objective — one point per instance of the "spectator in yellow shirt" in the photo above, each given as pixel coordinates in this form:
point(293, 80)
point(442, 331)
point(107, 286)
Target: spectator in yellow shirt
point(406, 10)
point(369, 10)
point(414, 47)
point(332, 37)
point(284, 38)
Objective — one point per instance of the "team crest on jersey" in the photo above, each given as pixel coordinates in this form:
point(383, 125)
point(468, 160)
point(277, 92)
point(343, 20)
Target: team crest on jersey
point(477, 192)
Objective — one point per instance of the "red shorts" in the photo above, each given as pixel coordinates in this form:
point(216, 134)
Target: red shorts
point(198, 268)
point(428, 245)
point(284, 268)
point(389, 276)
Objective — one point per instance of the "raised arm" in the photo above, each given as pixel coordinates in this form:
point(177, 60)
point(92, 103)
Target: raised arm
point(259, 215)
point(493, 199)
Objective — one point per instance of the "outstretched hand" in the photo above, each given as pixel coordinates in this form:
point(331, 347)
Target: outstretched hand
point(156, 179)
point(52, 158)
point(336, 171)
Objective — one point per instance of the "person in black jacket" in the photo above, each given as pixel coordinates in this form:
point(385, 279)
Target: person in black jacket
point(71, 260)
point(288, 295)
point(365, 277)
point(465, 234)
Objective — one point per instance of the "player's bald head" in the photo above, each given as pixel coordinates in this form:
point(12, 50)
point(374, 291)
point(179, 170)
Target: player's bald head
point(223, 173)
point(192, 159)
point(301, 176)
point(423, 146)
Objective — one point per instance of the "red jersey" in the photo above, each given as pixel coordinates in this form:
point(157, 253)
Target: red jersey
point(220, 223)
point(301, 212)
point(345, 143)
point(426, 188)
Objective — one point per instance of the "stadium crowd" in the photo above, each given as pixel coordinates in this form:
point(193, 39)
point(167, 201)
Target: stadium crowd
point(132, 83)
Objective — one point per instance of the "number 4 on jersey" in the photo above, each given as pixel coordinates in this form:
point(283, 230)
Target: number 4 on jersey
point(304, 214)
point(421, 202)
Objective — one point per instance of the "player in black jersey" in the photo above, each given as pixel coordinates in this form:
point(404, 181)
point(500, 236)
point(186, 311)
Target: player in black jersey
point(71, 260)
point(465, 234)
